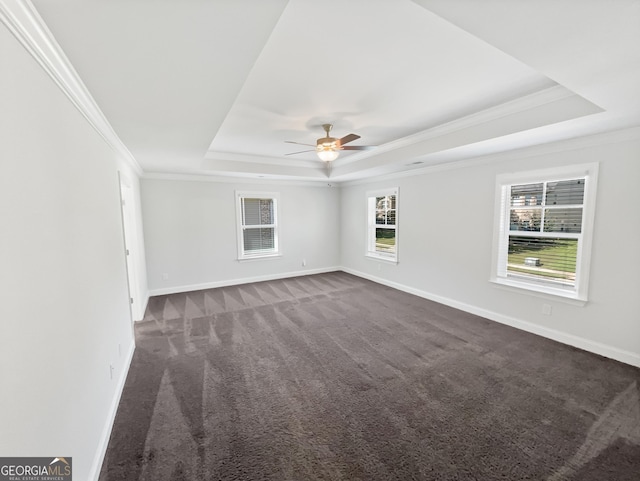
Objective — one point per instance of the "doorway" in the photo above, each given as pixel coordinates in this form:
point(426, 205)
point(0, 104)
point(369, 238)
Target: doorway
point(130, 230)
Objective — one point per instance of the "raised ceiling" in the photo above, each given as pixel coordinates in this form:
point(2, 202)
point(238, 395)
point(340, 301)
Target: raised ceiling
point(215, 87)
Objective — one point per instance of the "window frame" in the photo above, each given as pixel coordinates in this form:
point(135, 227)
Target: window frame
point(262, 254)
point(499, 274)
point(372, 226)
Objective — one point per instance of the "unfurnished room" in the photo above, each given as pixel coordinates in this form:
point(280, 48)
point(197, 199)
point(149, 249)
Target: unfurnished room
point(293, 240)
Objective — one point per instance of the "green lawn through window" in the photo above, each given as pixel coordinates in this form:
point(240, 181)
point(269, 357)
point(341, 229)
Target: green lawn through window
point(557, 258)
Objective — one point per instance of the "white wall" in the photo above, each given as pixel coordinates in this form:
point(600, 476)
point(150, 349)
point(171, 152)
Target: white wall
point(445, 245)
point(64, 315)
point(190, 233)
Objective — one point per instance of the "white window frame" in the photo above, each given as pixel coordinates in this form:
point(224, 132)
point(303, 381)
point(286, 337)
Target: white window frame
point(371, 225)
point(270, 253)
point(499, 275)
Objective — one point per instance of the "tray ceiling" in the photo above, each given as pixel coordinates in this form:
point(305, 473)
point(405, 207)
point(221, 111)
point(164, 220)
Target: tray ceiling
point(216, 87)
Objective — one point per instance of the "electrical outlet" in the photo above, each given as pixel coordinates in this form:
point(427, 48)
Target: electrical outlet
point(165, 276)
point(546, 309)
point(111, 369)
point(304, 262)
point(379, 266)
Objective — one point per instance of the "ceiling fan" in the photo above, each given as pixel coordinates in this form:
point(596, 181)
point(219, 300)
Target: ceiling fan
point(328, 148)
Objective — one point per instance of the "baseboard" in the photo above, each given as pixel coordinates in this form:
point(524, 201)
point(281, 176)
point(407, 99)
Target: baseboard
point(597, 348)
point(106, 432)
point(235, 282)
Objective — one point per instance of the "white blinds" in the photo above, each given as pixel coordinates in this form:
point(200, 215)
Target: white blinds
point(545, 229)
point(258, 225)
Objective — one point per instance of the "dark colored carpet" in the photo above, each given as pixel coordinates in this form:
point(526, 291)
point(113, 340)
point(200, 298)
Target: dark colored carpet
point(332, 377)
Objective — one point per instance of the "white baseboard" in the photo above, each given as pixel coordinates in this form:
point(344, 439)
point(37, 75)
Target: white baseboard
point(235, 282)
point(115, 402)
point(588, 345)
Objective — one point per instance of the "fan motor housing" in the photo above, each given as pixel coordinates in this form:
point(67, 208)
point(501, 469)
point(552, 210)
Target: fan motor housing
point(327, 142)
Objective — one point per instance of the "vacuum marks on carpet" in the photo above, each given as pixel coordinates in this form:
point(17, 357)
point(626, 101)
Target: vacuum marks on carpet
point(332, 377)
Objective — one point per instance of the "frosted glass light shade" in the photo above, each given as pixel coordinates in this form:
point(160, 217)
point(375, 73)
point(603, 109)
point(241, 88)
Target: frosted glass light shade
point(328, 154)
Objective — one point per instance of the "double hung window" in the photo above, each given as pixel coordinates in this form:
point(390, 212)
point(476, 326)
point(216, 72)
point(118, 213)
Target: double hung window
point(257, 224)
point(544, 230)
point(382, 232)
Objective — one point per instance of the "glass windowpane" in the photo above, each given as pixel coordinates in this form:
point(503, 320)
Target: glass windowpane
point(266, 211)
point(391, 217)
point(386, 240)
point(552, 260)
point(565, 192)
point(563, 220)
point(251, 211)
point(258, 211)
point(525, 195)
point(258, 239)
point(525, 219)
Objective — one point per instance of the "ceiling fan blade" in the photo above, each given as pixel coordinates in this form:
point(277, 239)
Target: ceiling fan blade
point(349, 138)
point(297, 143)
point(301, 152)
point(359, 147)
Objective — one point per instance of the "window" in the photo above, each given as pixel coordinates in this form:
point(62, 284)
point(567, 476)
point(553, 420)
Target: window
point(257, 224)
point(545, 221)
point(382, 232)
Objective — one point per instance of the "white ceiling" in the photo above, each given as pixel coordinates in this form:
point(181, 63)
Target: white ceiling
point(215, 87)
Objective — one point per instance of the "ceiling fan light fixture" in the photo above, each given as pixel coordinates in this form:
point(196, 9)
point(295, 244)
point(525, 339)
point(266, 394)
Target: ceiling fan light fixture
point(327, 153)
point(328, 148)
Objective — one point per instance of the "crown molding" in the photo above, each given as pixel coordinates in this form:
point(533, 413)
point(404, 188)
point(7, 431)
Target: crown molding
point(576, 143)
point(565, 145)
point(26, 25)
point(237, 179)
point(522, 104)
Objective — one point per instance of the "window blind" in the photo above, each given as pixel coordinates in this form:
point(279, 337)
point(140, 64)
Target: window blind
point(545, 229)
point(258, 225)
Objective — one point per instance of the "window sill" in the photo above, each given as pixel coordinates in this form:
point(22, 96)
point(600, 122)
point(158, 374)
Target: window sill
point(543, 292)
point(388, 260)
point(259, 257)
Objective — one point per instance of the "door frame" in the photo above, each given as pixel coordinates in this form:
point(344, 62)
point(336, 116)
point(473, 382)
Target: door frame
point(131, 252)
